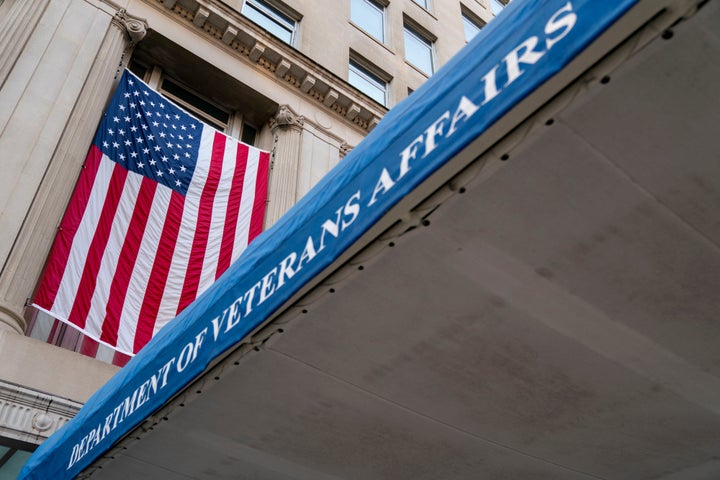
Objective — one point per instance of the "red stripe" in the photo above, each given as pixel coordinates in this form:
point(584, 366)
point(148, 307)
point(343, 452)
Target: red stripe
point(89, 347)
point(233, 209)
point(126, 261)
point(202, 224)
point(57, 261)
point(261, 185)
point(86, 288)
point(159, 271)
point(120, 359)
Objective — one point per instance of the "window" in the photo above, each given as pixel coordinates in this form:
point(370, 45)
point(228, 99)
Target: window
point(370, 16)
point(271, 19)
point(422, 3)
point(471, 25)
point(368, 82)
point(419, 50)
point(497, 5)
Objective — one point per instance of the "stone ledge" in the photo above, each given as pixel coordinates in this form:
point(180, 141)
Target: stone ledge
point(233, 31)
point(30, 416)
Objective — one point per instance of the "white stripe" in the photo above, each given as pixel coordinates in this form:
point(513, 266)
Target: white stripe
point(246, 206)
point(143, 268)
point(67, 289)
point(219, 215)
point(186, 235)
point(109, 262)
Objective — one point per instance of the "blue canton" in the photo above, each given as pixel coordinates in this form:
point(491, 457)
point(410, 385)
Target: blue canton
point(147, 134)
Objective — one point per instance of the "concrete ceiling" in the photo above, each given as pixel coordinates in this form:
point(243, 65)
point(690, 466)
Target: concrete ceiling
point(558, 319)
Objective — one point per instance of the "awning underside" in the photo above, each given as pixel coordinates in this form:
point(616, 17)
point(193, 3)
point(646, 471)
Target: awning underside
point(558, 319)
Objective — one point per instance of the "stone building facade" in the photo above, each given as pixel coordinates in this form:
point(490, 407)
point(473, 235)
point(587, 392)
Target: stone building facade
point(304, 79)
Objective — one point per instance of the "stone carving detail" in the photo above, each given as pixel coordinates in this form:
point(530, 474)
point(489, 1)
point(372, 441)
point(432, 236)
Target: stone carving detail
point(344, 149)
point(286, 118)
point(31, 416)
point(136, 28)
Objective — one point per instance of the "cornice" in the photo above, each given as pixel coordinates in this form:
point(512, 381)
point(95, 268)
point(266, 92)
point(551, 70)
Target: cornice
point(235, 33)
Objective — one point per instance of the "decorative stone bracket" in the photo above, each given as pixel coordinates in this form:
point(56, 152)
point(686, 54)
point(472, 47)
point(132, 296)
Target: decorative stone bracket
point(135, 27)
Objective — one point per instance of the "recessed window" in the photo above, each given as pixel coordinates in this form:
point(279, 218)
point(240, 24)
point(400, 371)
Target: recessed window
point(496, 6)
point(370, 16)
point(271, 19)
point(419, 50)
point(422, 3)
point(471, 25)
point(368, 82)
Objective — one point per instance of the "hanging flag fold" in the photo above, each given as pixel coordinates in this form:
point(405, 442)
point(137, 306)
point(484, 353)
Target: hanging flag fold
point(163, 205)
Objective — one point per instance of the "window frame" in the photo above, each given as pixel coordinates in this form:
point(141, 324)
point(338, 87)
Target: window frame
point(378, 6)
point(371, 75)
point(424, 39)
point(469, 18)
point(276, 15)
point(497, 6)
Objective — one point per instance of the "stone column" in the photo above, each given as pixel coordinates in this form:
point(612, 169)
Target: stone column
point(16, 26)
point(22, 268)
point(286, 127)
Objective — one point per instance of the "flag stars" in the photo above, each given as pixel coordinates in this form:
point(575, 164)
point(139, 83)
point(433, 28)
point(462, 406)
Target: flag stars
point(140, 165)
point(110, 131)
point(116, 119)
point(116, 145)
point(183, 168)
point(128, 143)
point(153, 162)
point(159, 173)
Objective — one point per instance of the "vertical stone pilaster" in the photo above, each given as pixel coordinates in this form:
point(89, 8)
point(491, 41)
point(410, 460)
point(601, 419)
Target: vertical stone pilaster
point(16, 26)
point(25, 261)
point(286, 127)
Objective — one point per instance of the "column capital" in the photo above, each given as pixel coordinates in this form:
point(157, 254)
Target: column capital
point(286, 118)
point(135, 27)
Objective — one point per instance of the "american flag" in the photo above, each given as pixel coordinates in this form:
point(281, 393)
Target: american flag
point(164, 204)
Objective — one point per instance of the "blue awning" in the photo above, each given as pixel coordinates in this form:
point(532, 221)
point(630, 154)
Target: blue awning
point(528, 43)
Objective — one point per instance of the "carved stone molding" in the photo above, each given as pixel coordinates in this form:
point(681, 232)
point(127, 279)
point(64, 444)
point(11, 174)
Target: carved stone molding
point(31, 416)
point(243, 38)
point(344, 149)
point(286, 117)
point(135, 27)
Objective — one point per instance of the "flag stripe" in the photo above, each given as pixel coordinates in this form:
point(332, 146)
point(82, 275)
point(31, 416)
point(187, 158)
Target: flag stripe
point(186, 234)
point(139, 287)
point(68, 228)
point(246, 205)
point(159, 275)
point(86, 288)
point(230, 229)
point(110, 260)
point(127, 259)
point(261, 184)
point(202, 224)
